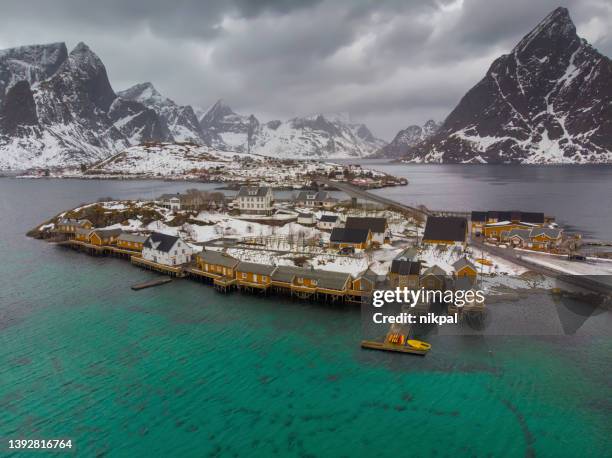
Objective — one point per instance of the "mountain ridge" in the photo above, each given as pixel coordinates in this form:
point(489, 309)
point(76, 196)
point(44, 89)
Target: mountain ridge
point(548, 101)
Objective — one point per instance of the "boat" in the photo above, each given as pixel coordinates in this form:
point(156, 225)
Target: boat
point(392, 343)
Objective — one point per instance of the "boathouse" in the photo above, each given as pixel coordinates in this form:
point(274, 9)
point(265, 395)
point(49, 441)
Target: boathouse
point(101, 237)
point(132, 242)
point(251, 275)
point(377, 226)
point(446, 230)
point(405, 274)
point(69, 226)
point(434, 278)
point(363, 284)
point(216, 263)
point(82, 234)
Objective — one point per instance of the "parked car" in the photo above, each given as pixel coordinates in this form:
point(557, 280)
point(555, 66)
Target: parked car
point(576, 257)
point(347, 250)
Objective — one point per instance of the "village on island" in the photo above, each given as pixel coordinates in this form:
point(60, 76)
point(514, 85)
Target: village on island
point(312, 245)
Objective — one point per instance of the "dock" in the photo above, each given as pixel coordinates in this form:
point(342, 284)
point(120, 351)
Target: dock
point(151, 283)
point(383, 346)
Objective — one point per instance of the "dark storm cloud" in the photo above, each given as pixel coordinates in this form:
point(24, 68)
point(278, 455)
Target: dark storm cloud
point(387, 63)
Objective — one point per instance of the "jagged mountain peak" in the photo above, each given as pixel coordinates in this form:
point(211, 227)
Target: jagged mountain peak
point(31, 63)
point(216, 112)
point(144, 93)
point(407, 139)
point(553, 31)
point(548, 101)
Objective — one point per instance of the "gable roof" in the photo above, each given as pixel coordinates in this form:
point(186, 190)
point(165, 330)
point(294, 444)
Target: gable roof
point(328, 218)
point(346, 235)
point(252, 191)
point(160, 242)
point(128, 237)
point(325, 279)
point(401, 267)
point(315, 196)
point(83, 231)
point(368, 275)
point(553, 233)
point(408, 254)
point(107, 232)
point(374, 224)
point(285, 274)
point(447, 228)
point(256, 268)
point(435, 270)
point(217, 258)
point(520, 233)
point(463, 262)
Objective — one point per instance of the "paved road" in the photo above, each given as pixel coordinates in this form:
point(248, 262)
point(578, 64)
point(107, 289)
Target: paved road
point(358, 192)
point(583, 281)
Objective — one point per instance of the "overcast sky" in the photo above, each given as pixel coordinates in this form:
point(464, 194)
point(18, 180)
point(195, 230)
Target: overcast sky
point(386, 63)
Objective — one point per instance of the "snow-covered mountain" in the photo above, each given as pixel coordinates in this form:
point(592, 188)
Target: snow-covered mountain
point(29, 63)
point(548, 101)
point(406, 139)
point(316, 136)
point(181, 121)
point(69, 117)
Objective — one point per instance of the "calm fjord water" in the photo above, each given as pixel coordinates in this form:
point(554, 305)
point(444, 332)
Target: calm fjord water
point(181, 370)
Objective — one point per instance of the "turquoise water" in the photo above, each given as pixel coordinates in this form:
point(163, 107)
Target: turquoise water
point(180, 370)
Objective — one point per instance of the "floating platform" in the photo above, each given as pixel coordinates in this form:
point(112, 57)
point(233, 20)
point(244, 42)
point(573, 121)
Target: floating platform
point(373, 345)
point(151, 283)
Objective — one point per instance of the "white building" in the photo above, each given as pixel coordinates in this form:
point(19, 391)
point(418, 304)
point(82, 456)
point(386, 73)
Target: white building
point(328, 222)
point(171, 202)
point(254, 200)
point(307, 219)
point(166, 249)
point(315, 199)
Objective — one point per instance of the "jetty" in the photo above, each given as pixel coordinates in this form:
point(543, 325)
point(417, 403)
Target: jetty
point(151, 283)
point(385, 346)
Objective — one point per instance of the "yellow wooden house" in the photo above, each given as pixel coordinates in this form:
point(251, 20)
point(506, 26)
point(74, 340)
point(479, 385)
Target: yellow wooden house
point(132, 242)
point(356, 238)
point(82, 234)
point(102, 237)
point(217, 263)
point(434, 278)
point(254, 275)
point(464, 268)
point(70, 225)
point(405, 274)
point(545, 239)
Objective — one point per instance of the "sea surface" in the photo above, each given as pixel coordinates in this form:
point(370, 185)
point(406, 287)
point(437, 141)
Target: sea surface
point(180, 370)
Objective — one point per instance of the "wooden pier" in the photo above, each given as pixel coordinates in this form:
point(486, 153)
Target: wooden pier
point(151, 283)
point(373, 345)
point(150, 265)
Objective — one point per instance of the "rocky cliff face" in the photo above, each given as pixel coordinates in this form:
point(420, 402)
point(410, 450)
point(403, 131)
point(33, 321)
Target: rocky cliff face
point(180, 121)
point(70, 114)
point(407, 139)
point(548, 101)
